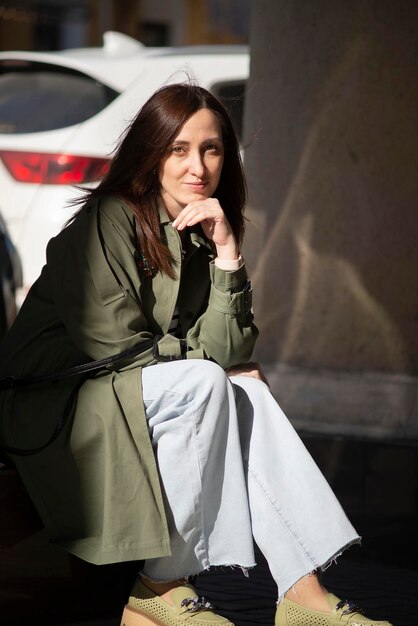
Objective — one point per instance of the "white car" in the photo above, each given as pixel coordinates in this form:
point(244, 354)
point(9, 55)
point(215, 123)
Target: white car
point(61, 114)
point(10, 278)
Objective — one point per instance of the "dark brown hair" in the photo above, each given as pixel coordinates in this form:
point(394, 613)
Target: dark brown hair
point(133, 175)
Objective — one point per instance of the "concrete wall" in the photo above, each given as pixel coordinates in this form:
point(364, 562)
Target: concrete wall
point(331, 129)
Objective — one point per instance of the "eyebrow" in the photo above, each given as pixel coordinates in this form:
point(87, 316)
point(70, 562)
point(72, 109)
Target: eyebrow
point(187, 143)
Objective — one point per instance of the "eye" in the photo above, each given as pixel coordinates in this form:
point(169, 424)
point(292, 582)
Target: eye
point(214, 148)
point(177, 149)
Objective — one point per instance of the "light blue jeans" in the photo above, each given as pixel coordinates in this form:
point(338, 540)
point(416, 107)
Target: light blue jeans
point(232, 469)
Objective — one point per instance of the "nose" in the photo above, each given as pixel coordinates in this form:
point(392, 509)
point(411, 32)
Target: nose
point(196, 164)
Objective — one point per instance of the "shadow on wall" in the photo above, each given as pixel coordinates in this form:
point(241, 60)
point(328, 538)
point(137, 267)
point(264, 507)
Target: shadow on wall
point(335, 266)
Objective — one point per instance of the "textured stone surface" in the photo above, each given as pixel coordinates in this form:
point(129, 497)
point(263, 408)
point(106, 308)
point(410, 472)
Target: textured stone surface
point(331, 155)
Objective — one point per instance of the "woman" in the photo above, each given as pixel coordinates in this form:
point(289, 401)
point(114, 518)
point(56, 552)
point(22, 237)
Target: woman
point(178, 455)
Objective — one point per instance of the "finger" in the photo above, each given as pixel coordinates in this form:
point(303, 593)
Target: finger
point(210, 204)
point(190, 220)
point(185, 215)
point(194, 215)
point(206, 203)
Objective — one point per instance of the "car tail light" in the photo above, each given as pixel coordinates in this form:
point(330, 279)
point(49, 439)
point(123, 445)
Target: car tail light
point(53, 169)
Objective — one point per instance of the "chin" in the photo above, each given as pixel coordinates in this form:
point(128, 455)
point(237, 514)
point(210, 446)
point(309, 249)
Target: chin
point(198, 196)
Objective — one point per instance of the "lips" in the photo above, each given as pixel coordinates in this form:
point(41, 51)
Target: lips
point(197, 186)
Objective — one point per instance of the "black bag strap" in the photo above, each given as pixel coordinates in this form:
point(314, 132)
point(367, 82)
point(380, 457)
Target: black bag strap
point(84, 371)
point(11, 382)
point(61, 421)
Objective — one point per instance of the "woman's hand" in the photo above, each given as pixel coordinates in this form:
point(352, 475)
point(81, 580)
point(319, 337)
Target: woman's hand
point(251, 369)
point(215, 225)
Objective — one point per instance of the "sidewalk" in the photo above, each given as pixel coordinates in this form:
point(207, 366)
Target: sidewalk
point(377, 485)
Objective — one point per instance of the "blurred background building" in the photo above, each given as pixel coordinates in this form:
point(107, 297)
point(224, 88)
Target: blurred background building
point(61, 24)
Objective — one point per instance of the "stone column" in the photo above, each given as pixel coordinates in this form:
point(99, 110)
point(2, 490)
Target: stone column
point(332, 155)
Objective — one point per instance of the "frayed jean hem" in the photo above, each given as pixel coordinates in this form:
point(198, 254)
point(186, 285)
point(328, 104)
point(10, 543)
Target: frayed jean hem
point(319, 569)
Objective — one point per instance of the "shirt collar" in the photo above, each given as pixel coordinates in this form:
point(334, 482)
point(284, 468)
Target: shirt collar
point(164, 218)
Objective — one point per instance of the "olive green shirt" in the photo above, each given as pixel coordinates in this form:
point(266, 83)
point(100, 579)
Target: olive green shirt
point(96, 486)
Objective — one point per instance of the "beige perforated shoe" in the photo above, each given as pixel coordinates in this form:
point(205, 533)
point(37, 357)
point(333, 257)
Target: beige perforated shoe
point(343, 613)
point(145, 608)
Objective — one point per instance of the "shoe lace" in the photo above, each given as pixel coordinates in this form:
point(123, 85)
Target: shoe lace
point(348, 607)
point(198, 603)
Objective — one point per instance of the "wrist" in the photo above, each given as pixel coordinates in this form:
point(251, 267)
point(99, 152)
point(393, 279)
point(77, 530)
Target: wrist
point(228, 252)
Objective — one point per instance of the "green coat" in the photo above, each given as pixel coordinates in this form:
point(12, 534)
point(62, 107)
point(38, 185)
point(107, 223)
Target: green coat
point(97, 487)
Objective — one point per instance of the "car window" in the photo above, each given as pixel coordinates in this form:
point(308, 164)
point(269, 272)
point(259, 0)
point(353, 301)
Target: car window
point(232, 96)
point(36, 97)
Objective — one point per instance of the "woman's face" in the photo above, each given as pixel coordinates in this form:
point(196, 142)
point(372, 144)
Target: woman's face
point(192, 168)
